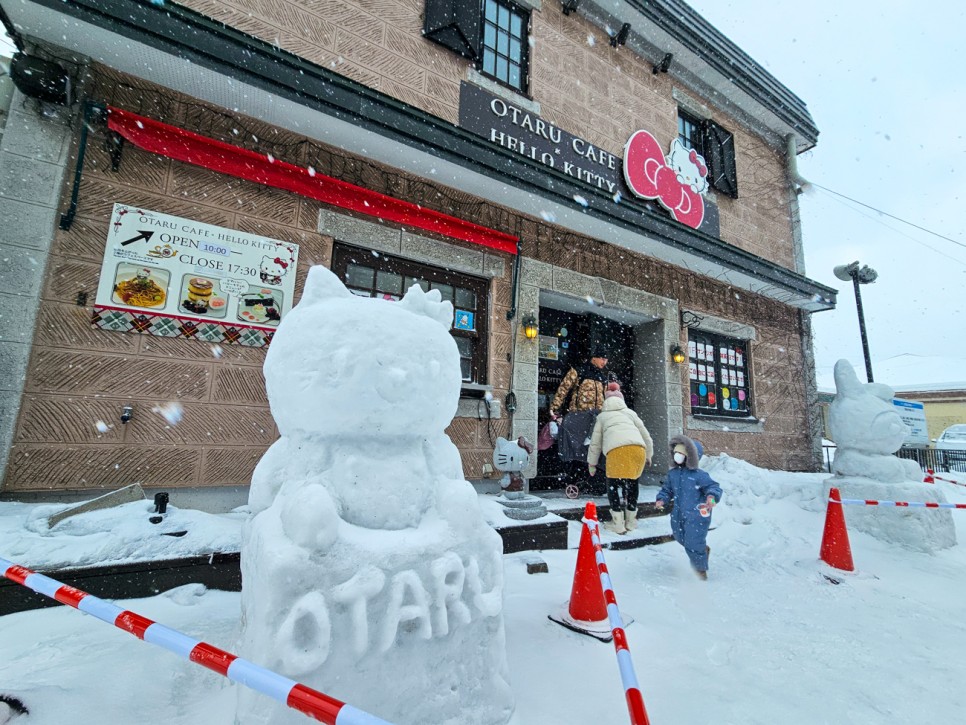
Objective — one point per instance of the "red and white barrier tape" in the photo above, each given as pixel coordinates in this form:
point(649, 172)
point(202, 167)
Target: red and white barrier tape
point(940, 478)
point(632, 692)
point(903, 504)
point(315, 704)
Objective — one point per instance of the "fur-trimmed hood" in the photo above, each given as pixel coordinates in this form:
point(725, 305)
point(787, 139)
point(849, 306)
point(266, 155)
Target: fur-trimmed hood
point(693, 448)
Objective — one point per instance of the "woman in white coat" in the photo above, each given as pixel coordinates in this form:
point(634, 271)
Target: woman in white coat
point(622, 437)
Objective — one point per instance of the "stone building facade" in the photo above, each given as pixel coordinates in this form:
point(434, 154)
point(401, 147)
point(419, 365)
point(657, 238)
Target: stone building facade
point(374, 94)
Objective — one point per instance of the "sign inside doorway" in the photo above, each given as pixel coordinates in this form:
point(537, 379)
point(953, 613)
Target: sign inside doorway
point(174, 277)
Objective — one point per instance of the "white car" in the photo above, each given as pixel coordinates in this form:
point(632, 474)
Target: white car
point(951, 447)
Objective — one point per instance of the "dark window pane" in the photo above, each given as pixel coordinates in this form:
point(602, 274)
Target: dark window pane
point(464, 345)
point(445, 291)
point(359, 276)
point(389, 282)
point(466, 369)
point(465, 299)
point(410, 281)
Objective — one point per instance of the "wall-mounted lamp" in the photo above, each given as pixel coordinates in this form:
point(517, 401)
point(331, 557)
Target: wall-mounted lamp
point(620, 37)
point(530, 327)
point(677, 354)
point(127, 412)
point(663, 66)
point(569, 6)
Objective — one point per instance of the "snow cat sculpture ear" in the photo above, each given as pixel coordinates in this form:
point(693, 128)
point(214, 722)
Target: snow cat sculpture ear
point(846, 382)
point(429, 304)
point(322, 284)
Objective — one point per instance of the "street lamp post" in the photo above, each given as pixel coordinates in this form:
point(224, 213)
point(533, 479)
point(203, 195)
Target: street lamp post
point(863, 275)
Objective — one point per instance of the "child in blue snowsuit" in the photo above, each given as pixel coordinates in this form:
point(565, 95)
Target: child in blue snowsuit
point(692, 491)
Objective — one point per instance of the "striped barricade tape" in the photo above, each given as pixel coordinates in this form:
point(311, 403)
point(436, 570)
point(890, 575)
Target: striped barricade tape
point(632, 692)
point(902, 504)
point(299, 697)
point(932, 474)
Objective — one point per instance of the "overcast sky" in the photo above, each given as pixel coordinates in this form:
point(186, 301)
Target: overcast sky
point(884, 82)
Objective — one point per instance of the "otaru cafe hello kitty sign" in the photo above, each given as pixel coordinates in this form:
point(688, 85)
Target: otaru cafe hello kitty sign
point(677, 181)
point(174, 277)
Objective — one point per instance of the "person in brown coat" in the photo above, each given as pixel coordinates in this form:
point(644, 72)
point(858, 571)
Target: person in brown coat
point(579, 398)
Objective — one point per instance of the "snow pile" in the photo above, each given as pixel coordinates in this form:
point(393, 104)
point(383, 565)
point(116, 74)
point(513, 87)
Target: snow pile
point(116, 535)
point(766, 639)
point(368, 550)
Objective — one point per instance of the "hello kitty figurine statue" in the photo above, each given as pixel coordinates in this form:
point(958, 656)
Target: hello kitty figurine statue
point(367, 551)
point(513, 457)
point(867, 431)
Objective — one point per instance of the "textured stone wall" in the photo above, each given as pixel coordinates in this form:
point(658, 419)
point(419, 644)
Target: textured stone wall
point(582, 84)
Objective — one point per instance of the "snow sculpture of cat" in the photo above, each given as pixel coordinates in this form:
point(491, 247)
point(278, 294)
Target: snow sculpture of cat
point(369, 572)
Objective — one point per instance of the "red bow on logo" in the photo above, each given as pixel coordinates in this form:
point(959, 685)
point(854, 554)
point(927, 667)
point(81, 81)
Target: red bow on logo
point(280, 263)
point(702, 169)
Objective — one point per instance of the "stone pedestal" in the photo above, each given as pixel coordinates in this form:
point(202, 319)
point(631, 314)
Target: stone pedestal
point(522, 506)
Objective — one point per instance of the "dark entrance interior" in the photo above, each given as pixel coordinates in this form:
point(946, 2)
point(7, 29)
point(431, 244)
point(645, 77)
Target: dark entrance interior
point(565, 340)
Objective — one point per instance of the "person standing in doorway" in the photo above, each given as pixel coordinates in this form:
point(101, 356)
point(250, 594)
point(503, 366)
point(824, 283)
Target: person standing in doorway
point(578, 400)
point(620, 434)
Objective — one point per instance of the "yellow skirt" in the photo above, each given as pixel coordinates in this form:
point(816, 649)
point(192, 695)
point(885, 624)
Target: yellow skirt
point(626, 462)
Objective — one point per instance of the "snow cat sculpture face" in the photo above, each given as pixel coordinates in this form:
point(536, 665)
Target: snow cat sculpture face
point(340, 364)
point(862, 416)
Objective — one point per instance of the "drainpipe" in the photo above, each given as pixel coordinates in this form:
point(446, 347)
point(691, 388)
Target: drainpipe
point(792, 152)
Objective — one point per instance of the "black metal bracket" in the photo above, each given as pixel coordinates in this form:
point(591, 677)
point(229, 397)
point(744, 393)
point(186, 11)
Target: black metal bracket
point(115, 147)
point(690, 320)
point(92, 112)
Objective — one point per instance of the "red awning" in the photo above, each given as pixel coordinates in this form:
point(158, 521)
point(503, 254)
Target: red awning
point(191, 148)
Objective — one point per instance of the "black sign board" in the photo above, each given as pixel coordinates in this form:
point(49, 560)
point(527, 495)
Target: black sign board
point(523, 132)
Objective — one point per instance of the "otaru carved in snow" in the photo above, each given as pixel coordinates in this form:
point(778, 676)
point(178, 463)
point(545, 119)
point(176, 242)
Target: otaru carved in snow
point(368, 570)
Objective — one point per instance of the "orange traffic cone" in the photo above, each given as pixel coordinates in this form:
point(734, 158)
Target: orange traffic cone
point(586, 612)
point(836, 550)
point(929, 477)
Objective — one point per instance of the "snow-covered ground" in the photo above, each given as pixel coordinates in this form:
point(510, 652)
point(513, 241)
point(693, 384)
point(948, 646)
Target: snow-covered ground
point(766, 640)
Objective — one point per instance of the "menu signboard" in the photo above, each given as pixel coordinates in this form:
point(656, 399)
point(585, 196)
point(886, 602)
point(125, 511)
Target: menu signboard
point(171, 276)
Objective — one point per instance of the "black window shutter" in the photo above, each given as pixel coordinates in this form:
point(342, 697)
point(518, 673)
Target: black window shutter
point(719, 151)
point(455, 24)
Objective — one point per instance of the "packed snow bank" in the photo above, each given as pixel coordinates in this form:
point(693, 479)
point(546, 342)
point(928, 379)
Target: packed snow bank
point(767, 639)
point(116, 535)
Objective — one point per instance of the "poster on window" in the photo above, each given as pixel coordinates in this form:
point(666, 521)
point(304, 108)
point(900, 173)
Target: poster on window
point(175, 277)
point(549, 347)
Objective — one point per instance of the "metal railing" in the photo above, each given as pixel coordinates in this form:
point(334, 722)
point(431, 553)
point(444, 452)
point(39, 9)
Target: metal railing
point(927, 458)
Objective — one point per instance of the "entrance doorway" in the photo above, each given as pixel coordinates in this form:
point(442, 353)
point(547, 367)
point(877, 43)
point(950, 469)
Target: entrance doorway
point(565, 341)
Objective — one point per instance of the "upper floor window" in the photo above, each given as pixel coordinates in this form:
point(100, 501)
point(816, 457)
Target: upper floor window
point(505, 45)
point(718, 370)
point(717, 145)
point(388, 278)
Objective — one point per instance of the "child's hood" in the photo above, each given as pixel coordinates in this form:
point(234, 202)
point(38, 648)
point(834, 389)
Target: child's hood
point(692, 448)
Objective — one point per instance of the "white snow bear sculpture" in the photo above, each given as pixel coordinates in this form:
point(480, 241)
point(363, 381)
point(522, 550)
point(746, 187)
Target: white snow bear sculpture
point(368, 570)
point(867, 430)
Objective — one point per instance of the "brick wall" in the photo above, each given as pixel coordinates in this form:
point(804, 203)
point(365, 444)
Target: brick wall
point(583, 85)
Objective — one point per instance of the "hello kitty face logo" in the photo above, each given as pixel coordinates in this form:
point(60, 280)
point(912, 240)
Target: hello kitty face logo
point(689, 167)
point(272, 269)
point(676, 181)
